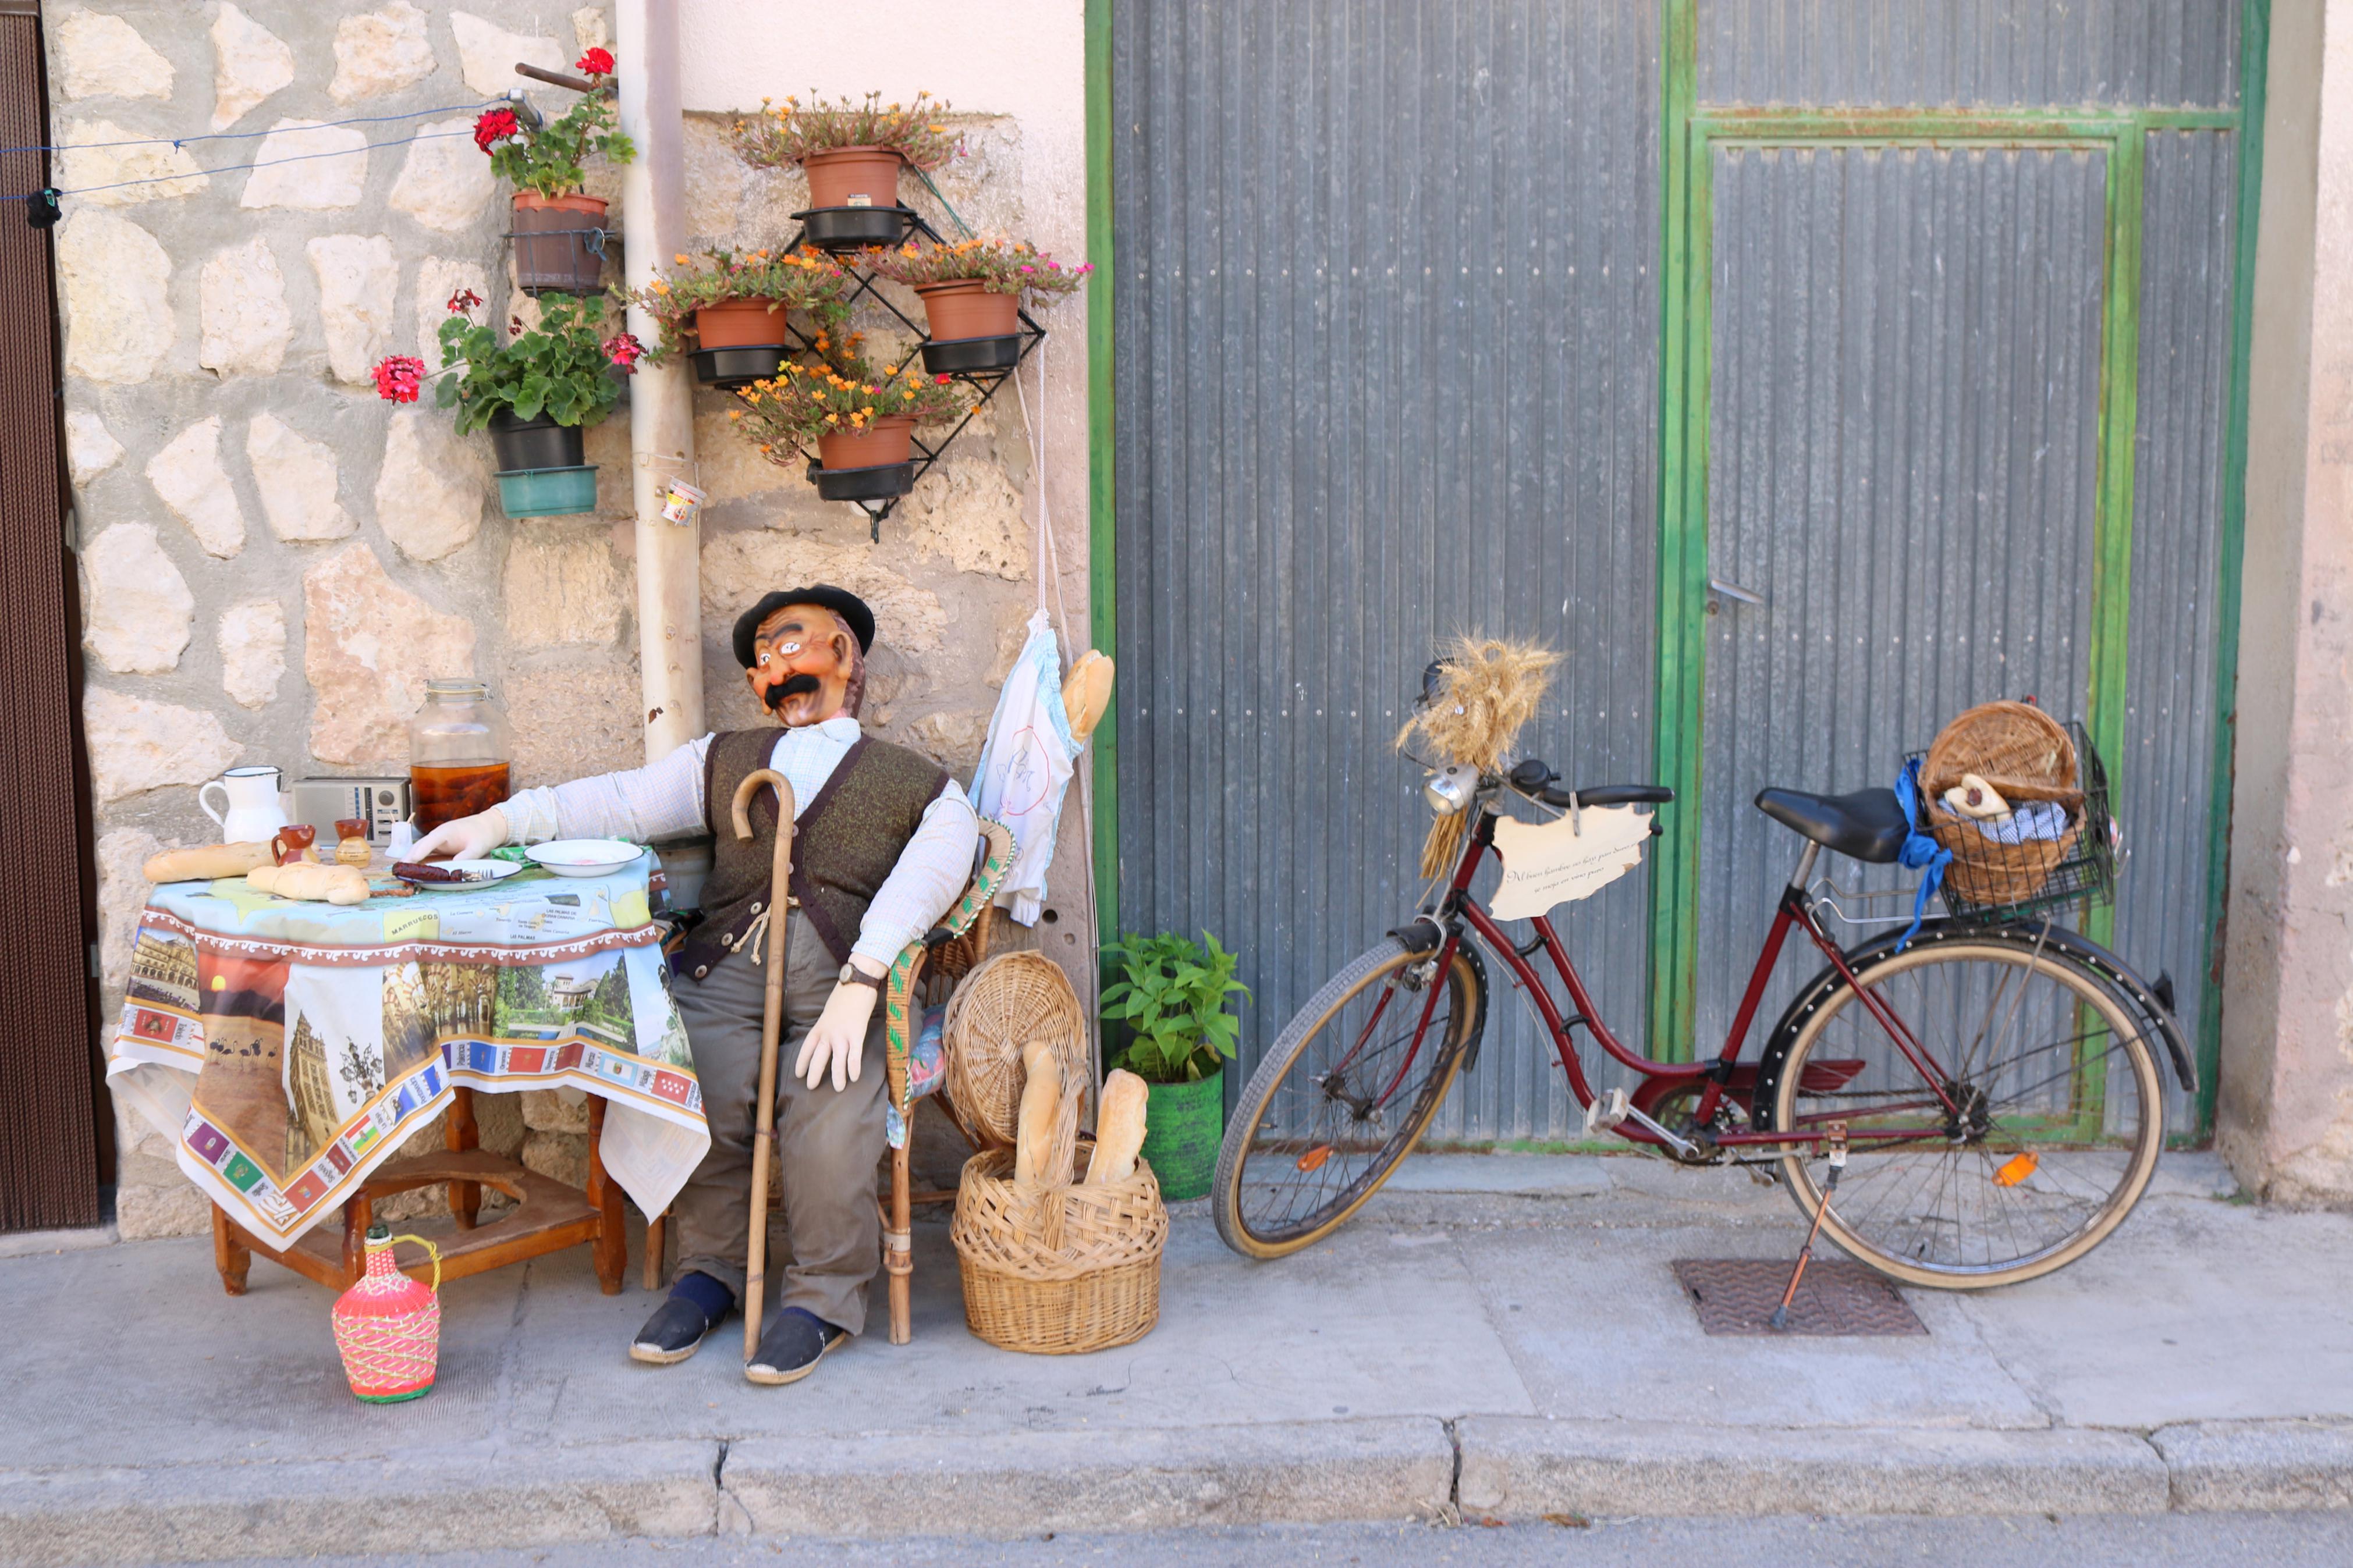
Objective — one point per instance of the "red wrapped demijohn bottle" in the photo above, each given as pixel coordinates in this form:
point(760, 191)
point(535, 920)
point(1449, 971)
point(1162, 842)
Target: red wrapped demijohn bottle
point(388, 1327)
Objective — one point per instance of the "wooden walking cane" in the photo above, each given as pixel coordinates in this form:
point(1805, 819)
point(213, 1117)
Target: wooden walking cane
point(772, 1022)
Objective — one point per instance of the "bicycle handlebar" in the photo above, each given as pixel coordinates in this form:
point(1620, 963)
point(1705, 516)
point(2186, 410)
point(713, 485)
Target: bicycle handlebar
point(1534, 777)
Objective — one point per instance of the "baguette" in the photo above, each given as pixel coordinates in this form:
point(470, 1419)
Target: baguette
point(1119, 1129)
point(1041, 1112)
point(204, 862)
point(307, 879)
point(1087, 693)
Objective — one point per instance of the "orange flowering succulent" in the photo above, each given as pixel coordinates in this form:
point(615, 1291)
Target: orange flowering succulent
point(777, 136)
point(999, 266)
point(802, 402)
point(804, 280)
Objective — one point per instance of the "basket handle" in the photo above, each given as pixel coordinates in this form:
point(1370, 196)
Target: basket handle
point(434, 1251)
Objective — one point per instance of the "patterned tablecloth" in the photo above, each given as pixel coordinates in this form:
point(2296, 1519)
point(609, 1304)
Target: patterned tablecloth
point(292, 1047)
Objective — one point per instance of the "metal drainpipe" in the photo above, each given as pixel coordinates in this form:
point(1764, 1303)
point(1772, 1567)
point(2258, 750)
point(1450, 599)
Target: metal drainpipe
point(661, 409)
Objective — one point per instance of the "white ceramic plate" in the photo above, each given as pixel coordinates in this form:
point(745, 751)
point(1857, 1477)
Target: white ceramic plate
point(478, 874)
point(584, 857)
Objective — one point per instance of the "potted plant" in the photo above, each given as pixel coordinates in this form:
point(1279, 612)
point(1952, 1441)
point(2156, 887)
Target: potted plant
point(1172, 996)
point(559, 233)
point(972, 293)
point(535, 390)
point(860, 419)
point(851, 149)
point(733, 308)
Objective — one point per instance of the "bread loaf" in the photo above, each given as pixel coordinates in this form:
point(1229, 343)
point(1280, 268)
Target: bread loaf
point(311, 881)
point(1041, 1111)
point(1119, 1129)
point(205, 862)
point(1087, 693)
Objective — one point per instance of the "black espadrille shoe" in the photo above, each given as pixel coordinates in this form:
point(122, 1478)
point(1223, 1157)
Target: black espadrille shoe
point(792, 1347)
point(674, 1333)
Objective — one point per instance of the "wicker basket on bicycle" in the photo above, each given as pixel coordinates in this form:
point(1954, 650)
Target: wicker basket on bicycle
point(1057, 1270)
point(2032, 760)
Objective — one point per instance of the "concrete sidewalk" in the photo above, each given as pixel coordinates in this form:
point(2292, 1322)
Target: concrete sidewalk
point(1497, 1336)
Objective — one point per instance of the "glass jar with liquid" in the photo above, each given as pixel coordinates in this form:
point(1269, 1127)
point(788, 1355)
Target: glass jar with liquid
point(458, 753)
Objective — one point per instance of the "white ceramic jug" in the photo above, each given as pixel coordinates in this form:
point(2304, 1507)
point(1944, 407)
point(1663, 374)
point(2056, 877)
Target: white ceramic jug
point(254, 810)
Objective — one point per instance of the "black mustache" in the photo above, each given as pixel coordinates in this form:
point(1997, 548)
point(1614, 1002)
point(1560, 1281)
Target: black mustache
point(791, 687)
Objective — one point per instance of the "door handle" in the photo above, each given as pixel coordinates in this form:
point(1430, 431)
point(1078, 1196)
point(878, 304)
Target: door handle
point(1718, 590)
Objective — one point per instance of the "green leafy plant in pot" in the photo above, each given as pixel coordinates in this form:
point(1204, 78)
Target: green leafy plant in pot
point(1172, 996)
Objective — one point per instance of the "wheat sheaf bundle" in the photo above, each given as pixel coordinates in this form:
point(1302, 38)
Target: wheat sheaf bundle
point(1488, 688)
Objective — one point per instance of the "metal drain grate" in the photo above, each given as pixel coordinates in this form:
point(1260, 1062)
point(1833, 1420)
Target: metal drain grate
point(1737, 1295)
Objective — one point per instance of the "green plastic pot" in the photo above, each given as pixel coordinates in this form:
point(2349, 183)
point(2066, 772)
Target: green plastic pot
point(1183, 1125)
point(548, 492)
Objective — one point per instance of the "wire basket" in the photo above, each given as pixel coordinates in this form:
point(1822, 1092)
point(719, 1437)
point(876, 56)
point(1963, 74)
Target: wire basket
point(2004, 869)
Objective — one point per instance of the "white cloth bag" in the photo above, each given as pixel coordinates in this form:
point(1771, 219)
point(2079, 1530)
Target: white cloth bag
point(1026, 768)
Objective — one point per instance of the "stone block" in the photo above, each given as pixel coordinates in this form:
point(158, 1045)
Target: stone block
point(554, 1110)
point(487, 53)
point(737, 568)
point(967, 512)
point(115, 280)
point(444, 181)
point(102, 56)
point(368, 647)
point(559, 1156)
point(253, 651)
point(241, 314)
point(136, 607)
point(156, 170)
point(428, 495)
point(592, 28)
point(562, 588)
point(297, 478)
point(357, 282)
point(730, 468)
point(188, 475)
point(164, 1205)
point(122, 894)
point(137, 744)
point(574, 714)
point(498, 1122)
point(952, 740)
point(250, 63)
point(380, 52)
point(439, 281)
point(317, 183)
point(91, 447)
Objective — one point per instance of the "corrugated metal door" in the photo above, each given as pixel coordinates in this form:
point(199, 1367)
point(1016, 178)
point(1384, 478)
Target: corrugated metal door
point(1386, 369)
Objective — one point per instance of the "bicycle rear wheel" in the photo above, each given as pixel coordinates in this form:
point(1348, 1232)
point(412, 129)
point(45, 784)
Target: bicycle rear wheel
point(2030, 1153)
point(1342, 1096)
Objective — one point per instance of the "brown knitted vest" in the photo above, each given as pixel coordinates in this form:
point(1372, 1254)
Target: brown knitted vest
point(849, 837)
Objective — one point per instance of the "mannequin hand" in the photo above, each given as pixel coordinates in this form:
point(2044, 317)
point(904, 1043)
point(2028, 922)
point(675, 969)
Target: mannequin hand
point(465, 837)
point(837, 1041)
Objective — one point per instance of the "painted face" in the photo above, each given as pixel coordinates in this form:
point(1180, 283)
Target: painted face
point(806, 666)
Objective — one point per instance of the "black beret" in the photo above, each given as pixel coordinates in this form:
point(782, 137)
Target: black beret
point(840, 600)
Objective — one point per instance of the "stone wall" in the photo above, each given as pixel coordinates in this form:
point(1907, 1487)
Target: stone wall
point(274, 561)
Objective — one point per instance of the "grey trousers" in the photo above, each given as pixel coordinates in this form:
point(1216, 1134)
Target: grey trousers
point(829, 1142)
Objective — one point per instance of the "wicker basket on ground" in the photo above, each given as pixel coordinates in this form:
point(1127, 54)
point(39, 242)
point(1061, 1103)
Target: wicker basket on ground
point(1004, 1004)
point(2029, 757)
point(1058, 1270)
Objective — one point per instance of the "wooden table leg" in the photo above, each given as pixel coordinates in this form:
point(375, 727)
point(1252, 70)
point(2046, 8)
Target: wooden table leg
point(359, 1213)
point(230, 1256)
point(463, 1133)
point(655, 1227)
point(612, 1245)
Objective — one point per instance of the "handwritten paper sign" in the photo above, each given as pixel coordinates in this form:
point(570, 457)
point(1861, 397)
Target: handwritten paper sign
point(1550, 863)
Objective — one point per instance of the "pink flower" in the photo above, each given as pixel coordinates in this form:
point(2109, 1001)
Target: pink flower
point(463, 300)
point(625, 350)
point(494, 127)
point(596, 62)
point(399, 378)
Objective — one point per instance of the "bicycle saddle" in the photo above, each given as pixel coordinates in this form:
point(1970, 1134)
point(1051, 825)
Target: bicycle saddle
point(1867, 825)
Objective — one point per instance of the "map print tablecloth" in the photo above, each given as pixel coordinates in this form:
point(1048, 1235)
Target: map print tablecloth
point(292, 1047)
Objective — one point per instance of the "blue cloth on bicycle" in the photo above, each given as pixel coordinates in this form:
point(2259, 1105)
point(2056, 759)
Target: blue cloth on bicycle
point(1919, 851)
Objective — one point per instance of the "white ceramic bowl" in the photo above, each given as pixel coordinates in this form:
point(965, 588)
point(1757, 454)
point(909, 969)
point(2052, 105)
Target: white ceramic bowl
point(584, 857)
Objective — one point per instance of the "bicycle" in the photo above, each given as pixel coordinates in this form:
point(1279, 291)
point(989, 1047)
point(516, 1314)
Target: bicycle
point(1988, 1085)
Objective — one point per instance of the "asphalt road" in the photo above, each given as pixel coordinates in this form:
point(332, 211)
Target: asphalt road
point(2116, 1541)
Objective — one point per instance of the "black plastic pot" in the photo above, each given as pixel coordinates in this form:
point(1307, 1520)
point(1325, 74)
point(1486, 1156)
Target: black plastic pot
point(738, 366)
point(879, 483)
point(538, 443)
point(854, 228)
point(972, 356)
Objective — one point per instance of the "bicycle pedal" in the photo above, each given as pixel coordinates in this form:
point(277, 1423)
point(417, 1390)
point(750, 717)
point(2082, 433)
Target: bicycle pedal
point(1607, 1112)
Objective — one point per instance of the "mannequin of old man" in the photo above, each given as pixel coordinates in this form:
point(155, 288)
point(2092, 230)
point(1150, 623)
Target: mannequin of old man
point(884, 842)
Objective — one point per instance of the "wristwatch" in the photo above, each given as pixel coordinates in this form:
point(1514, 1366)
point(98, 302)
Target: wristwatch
point(853, 976)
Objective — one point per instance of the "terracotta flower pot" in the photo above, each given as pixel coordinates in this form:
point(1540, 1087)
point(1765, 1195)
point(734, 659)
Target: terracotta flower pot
point(965, 309)
point(892, 440)
point(853, 176)
point(739, 323)
point(551, 241)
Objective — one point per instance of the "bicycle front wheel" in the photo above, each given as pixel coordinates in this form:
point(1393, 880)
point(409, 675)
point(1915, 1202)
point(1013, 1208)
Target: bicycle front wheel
point(2032, 1140)
point(1342, 1096)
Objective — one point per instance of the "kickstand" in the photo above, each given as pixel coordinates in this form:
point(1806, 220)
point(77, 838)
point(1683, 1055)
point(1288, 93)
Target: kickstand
point(1835, 1141)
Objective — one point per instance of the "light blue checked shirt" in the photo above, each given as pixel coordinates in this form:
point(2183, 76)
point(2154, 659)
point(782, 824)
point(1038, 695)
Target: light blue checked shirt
point(664, 800)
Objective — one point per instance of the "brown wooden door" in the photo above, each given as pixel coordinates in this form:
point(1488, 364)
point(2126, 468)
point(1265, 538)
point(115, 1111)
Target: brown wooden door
point(51, 1124)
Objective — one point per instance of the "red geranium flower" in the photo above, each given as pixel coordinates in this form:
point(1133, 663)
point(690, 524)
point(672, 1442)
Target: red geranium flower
point(399, 378)
point(625, 350)
point(494, 127)
point(596, 62)
point(463, 300)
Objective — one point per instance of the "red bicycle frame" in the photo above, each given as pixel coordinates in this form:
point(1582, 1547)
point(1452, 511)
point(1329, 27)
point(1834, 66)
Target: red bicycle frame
point(1716, 1074)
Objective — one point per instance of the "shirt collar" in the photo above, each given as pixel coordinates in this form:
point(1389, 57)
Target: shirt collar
point(841, 730)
